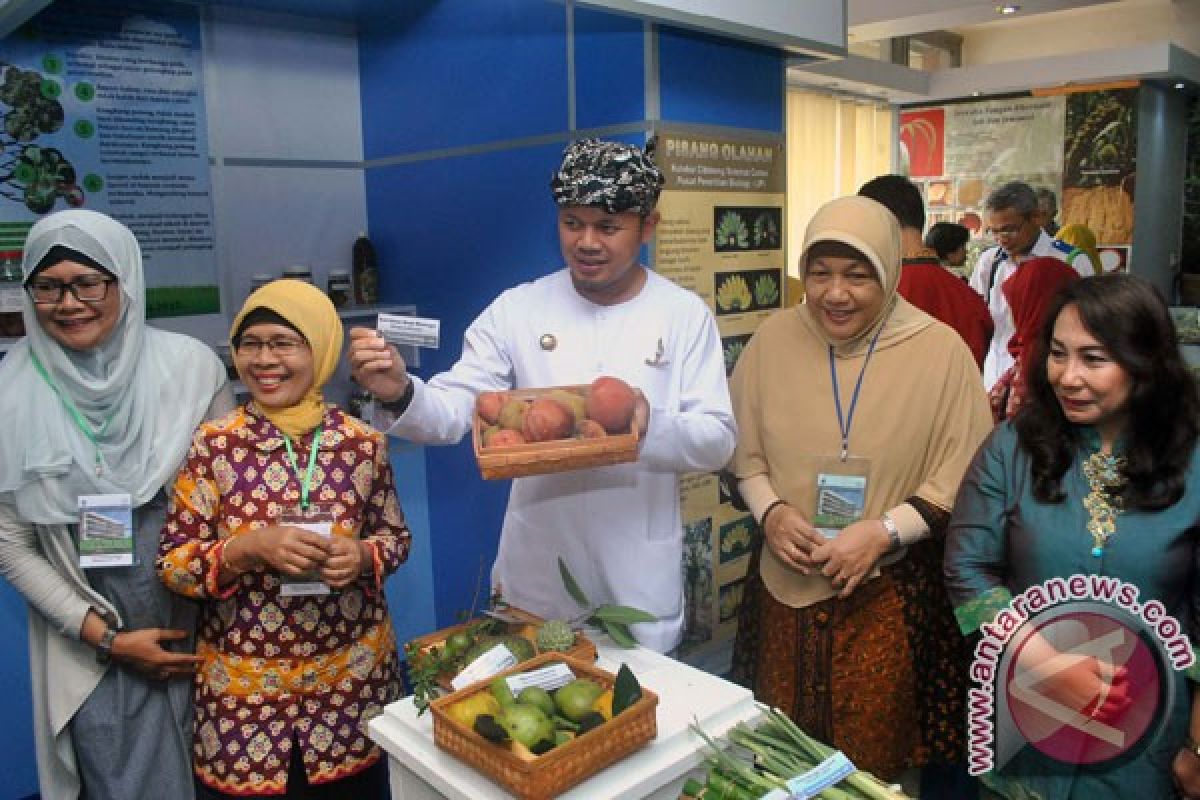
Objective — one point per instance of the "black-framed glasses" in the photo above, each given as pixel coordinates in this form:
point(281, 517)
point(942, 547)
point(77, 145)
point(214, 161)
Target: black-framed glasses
point(278, 345)
point(85, 289)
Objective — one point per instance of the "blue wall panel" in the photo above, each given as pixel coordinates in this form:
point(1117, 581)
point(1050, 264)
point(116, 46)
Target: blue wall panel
point(18, 765)
point(609, 69)
point(711, 81)
point(461, 72)
point(453, 234)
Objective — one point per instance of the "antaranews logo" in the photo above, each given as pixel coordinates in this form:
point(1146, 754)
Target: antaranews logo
point(1052, 639)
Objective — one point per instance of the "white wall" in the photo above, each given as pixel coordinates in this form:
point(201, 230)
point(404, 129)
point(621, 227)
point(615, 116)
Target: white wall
point(1084, 30)
point(283, 103)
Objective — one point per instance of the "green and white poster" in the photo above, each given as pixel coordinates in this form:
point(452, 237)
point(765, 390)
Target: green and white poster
point(103, 108)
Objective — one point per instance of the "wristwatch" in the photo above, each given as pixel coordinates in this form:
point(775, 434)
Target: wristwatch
point(893, 532)
point(104, 646)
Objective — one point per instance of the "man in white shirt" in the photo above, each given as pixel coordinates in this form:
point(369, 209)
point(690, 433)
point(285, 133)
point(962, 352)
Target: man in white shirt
point(618, 528)
point(1014, 219)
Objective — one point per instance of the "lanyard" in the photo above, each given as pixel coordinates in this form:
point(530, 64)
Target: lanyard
point(80, 421)
point(845, 422)
point(306, 480)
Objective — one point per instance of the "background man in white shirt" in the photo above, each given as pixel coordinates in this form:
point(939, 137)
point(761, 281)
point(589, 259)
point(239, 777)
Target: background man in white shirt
point(1014, 219)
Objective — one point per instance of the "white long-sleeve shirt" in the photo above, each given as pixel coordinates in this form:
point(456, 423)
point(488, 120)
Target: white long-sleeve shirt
point(618, 528)
point(997, 259)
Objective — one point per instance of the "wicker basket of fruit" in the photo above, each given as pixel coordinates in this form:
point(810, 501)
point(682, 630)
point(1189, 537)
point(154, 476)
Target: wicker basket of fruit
point(447, 651)
point(539, 743)
point(539, 431)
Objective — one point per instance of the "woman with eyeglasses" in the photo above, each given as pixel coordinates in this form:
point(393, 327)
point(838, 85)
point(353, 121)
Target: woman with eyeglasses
point(284, 522)
point(95, 419)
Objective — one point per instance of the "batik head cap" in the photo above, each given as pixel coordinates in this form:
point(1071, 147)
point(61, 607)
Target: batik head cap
point(612, 175)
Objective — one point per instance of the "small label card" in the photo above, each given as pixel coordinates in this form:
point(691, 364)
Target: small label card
point(415, 331)
point(550, 677)
point(320, 522)
point(498, 659)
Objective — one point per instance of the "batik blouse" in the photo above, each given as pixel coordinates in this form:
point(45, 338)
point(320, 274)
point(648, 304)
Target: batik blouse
point(276, 671)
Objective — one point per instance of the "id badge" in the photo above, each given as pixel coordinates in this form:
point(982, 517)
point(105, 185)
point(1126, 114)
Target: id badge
point(320, 521)
point(105, 530)
point(841, 494)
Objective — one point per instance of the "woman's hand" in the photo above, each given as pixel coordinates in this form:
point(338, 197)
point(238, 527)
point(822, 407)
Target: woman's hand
point(347, 560)
point(1095, 687)
point(289, 550)
point(791, 537)
point(849, 557)
point(1186, 771)
point(142, 650)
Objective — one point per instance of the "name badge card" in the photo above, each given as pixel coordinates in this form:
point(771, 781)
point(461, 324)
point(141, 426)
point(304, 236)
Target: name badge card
point(319, 521)
point(105, 530)
point(415, 331)
point(841, 494)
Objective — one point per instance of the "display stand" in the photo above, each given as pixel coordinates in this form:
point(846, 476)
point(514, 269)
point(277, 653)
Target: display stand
point(421, 771)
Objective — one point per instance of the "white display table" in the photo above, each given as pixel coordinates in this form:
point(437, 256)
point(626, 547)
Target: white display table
point(422, 771)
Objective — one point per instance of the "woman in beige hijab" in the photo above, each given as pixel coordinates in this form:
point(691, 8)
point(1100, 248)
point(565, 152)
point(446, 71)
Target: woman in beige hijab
point(858, 414)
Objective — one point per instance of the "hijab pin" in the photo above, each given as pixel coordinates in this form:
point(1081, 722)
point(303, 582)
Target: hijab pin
point(548, 342)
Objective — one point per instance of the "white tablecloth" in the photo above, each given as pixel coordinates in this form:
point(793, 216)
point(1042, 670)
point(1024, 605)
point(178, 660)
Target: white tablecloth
point(421, 771)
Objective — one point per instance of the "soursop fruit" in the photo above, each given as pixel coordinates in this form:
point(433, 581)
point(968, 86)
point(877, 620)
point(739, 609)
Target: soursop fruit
point(555, 636)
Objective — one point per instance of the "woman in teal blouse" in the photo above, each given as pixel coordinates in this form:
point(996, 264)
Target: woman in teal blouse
point(1096, 476)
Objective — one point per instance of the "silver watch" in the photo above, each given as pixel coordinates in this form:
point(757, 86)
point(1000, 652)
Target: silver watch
point(893, 532)
point(104, 646)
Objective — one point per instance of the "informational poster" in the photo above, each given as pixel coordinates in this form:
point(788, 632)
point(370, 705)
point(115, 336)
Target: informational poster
point(103, 108)
point(1100, 165)
point(1080, 145)
point(721, 235)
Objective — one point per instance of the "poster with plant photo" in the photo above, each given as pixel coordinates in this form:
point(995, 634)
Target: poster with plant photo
point(721, 235)
point(1100, 163)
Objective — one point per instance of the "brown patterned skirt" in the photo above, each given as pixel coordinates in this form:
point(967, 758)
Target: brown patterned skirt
point(880, 675)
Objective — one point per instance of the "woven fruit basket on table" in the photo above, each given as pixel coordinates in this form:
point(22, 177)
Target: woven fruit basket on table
point(584, 648)
point(548, 775)
point(542, 458)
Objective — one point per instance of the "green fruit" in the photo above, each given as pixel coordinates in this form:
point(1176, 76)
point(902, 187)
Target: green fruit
point(538, 698)
point(520, 647)
point(575, 700)
point(555, 635)
point(526, 724)
point(458, 643)
point(502, 692)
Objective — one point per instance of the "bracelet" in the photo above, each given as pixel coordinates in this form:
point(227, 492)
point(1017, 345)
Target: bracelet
point(893, 532)
point(762, 521)
point(225, 564)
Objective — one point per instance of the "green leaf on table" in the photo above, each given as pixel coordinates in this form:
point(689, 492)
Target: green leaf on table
point(626, 690)
point(625, 615)
point(571, 586)
point(618, 632)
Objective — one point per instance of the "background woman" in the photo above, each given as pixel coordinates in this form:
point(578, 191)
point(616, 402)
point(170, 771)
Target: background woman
point(99, 404)
point(1095, 475)
point(284, 490)
point(852, 635)
point(1030, 291)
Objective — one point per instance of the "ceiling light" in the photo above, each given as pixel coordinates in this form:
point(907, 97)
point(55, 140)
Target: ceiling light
point(1008, 8)
point(1181, 85)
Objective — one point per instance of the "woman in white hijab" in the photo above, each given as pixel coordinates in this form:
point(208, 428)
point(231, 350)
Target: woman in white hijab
point(98, 405)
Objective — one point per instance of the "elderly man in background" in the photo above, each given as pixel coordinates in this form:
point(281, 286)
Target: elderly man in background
point(1014, 218)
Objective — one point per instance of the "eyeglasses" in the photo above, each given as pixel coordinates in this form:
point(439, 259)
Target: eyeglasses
point(279, 346)
point(85, 289)
point(1007, 231)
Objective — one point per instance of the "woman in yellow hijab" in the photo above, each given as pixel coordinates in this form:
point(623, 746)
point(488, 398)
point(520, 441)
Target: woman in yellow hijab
point(285, 520)
point(1084, 241)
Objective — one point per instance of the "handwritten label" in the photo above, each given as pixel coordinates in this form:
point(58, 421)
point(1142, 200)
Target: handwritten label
point(549, 678)
point(498, 659)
